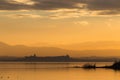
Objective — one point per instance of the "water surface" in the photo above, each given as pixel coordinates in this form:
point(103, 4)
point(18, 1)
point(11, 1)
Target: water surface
point(54, 71)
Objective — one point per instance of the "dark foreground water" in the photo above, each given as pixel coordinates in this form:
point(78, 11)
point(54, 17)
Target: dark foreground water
point(54, 71)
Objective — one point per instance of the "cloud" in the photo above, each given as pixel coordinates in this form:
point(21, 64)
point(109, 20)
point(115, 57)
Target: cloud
point(64, 13)
point(67, 13)
point(100, 7)
point(18, 16)
point(84, 23)
point(27, 2)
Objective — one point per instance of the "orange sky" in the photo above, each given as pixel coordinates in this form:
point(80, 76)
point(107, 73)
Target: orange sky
point(43, 23)
point(30, 31)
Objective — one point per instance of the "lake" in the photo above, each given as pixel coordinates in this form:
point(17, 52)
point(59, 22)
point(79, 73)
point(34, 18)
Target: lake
point(54, 71)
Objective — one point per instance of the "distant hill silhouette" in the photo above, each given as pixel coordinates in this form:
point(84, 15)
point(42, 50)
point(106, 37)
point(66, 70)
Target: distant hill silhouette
point(21, 50)
point(99, 45)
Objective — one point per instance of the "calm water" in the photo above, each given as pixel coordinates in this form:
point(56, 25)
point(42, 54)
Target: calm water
point(54, 71)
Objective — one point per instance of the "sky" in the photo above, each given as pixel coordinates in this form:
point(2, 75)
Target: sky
point(59, 22)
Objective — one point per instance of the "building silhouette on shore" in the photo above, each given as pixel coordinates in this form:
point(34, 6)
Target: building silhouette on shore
point(65, 58)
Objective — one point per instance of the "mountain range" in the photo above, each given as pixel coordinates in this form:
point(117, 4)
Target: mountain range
point(22, 50)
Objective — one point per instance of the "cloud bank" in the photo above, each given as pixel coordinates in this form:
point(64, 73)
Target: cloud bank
point(103, 6)
point(59, 9)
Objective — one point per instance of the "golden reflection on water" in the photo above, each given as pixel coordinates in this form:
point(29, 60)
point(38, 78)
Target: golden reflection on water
point(49, 73)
